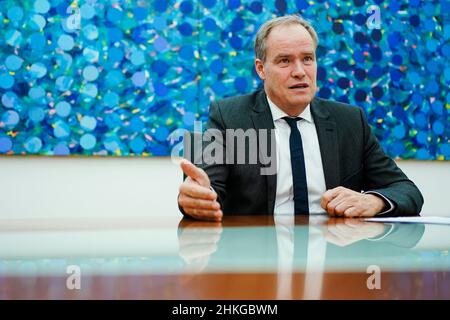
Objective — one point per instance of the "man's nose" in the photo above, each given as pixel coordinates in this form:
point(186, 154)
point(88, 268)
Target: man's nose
point(297, 70)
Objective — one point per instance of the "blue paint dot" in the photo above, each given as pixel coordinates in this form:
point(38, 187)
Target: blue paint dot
point(6, 81)
point(10, 119)
point(185, 29)
point(136, 124)
point(15, 14)
point(446, 50)
point(36, 114)
point(240, 84)
point(65, 42)
point(63, 109)
point(397, 148)
point(445, 150)
point(88, 141)
point(213, 47)
point(139, 79)
point(38, 22)
point(237, 24)
point(209, 3)
point(137, 58)
point(10, 99)
point(360, 19)
point(187, 52)
point(160, 67)
point(87, 11)
point(185, 7)
point(90, 73)
point(114, 15)
point(61, 130)
point(375, 53)
point(218, 88)
point(41, 6)
point(414, 20)
point(160, 6)
point(61, 150)
point(343, 83)
point(325, 93)
point(234, 4)
point(209, 24)
point(395, 74)
point(360, 74)
point(360, 95)
point(13, 62)
point(217, 66)
point(422, 154)
point(321, 73)
point(256, 7)
point(399, 131)
point(437, 107)
point(236, 42)
point(140, 13)
point(422, 138)
point(115, 35)
point(438, 127)
point(301, 4)
point(38, 70)
point(33, 144)
point(161, 89)
point(161, 134)
point(88, 123)
point(377, 92)
point(5, 144)
point(137, 145)
point(358, 56)
point(420, 120)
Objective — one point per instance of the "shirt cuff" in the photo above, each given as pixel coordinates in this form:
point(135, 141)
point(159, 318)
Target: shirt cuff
point(387, 201)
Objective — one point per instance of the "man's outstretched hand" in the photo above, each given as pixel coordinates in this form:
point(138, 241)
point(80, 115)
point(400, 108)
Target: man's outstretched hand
point(196, 197)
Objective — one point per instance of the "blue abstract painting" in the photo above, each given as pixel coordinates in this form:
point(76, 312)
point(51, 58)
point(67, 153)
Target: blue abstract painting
point(119, 77)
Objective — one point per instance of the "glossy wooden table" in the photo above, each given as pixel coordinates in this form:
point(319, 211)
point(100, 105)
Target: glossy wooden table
point(238, 258)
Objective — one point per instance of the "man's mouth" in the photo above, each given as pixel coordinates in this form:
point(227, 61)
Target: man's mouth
point(299, 86)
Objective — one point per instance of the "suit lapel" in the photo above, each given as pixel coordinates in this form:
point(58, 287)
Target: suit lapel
point(328, 141)
point(262, 119)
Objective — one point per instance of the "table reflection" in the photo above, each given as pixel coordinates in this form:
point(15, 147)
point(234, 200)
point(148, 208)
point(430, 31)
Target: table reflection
point(289, 245)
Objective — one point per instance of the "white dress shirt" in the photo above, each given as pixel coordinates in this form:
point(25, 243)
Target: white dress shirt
point(284, 200)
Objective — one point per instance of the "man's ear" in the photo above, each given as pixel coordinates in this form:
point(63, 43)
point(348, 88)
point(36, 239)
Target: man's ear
point(259, 66)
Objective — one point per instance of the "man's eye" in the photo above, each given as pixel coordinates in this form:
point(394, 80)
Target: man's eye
point(284, 60)
point(308, 58)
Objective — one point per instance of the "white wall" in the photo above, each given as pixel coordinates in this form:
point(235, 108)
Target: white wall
point(50, 187)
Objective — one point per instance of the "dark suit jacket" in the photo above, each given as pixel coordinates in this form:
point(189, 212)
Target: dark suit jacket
point(351, 157)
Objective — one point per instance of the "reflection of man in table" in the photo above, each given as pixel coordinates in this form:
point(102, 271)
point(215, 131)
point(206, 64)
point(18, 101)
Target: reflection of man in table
point(312, 248)
point(327, 159)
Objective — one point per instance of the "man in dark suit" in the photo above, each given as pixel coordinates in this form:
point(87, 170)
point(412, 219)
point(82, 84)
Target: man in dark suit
point(327, 159)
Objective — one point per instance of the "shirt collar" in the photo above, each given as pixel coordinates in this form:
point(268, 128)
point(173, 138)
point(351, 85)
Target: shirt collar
point(277, 113)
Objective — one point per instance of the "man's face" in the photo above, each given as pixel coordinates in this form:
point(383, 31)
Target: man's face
point(290, 69)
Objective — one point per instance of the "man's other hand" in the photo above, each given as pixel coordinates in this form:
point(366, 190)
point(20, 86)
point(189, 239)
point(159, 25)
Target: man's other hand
point(344, 202)
point(196, 197)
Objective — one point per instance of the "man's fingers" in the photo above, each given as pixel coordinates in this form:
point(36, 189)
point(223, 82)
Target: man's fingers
point(195, 190)
point(211, 215)
point(330, 195)
point(195, 173)
point(195, 203)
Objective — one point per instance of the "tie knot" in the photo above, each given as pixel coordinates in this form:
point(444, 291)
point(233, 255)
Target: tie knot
point(292, 122)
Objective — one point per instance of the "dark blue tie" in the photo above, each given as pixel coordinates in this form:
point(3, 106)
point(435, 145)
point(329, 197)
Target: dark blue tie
point(298, 168)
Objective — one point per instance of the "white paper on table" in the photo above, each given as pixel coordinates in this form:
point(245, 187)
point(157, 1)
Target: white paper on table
point(429, 220)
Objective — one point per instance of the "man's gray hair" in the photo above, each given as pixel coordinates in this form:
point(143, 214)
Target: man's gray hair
point(264, 31)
